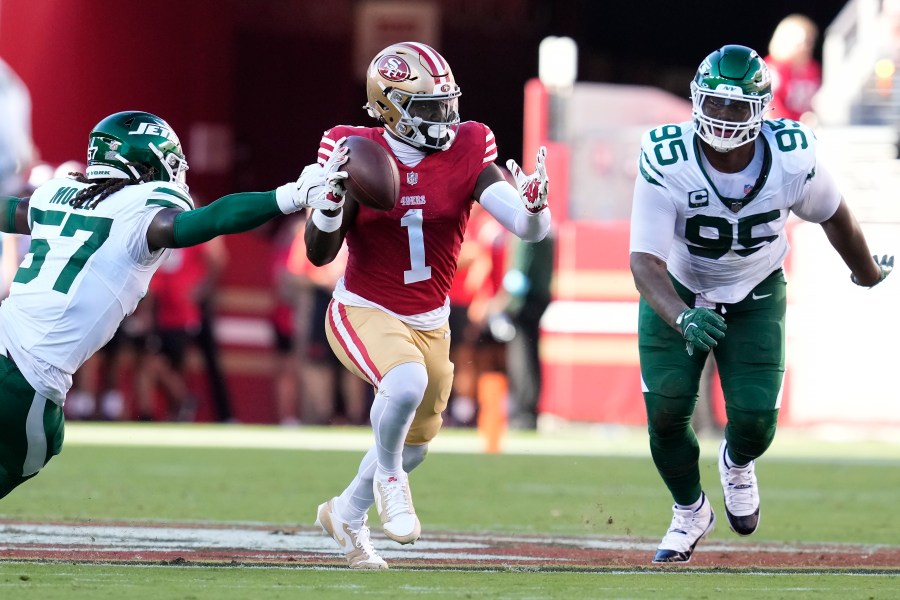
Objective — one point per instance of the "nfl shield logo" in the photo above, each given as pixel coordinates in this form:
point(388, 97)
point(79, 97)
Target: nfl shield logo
point(412, 178)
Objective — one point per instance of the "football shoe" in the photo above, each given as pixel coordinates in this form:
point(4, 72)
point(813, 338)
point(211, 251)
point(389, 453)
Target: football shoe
point(688, 527)
point(354, 543)
point(395, 507)
point(741, 493)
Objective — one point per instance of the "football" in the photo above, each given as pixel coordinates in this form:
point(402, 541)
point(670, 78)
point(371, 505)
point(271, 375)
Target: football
point(372, 176)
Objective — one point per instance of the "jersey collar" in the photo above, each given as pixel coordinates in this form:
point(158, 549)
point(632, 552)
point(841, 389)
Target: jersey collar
point(736, 204)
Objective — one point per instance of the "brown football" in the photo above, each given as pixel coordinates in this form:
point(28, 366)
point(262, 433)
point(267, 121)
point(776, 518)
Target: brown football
point(373, 179)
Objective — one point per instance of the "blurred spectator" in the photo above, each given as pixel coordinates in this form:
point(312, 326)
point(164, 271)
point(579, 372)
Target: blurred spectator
point(330, 393)
point(215, 255)
point(290, 297)
point(9, 261)
point(183, 282)
point(493, 326)
point(97, 391)
point(468, 284)
point(526, 287)
point(796, 75)
point(17, 152)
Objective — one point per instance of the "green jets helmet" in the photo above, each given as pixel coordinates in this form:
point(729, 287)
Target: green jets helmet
point(135, 137)
point(730, 94)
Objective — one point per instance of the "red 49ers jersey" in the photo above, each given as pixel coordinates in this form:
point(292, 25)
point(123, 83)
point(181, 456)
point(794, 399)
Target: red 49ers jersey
point(404, 259)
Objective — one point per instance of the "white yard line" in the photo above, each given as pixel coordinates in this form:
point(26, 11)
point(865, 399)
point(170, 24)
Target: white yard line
point(586, 439)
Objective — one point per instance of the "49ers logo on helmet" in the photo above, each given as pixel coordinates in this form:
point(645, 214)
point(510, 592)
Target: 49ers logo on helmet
point(393, 68)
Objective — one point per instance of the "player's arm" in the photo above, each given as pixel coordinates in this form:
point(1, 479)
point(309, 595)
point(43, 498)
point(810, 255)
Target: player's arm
point(822, 203)
point(700, 327)
point(325, 232)
point(653, 221)
point(14, 215)
point(846, 236)
point(176, 228)
point(523, 211)
point(326, 227)
point(651, 278)
point(235, 213)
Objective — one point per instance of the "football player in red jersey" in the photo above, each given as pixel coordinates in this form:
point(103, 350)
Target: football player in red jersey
point(387, 321)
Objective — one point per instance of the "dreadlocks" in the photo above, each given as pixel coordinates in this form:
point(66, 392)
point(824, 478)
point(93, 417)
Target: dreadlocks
point(96, 193)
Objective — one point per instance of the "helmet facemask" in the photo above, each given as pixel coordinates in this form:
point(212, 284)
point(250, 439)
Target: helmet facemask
point(426, 120)
point(411, 90)
point(175, 165)
point(724, 118)
point(730, 94)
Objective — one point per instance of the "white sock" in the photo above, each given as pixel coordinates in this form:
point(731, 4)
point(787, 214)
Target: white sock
point(693, 506)
point(730, 463)
point(355, 501)
point(399, 395)
point(401, 390)
point(413, 456)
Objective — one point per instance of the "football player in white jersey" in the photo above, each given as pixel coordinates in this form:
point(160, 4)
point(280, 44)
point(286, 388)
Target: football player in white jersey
point(96, 240)
point(708, 243)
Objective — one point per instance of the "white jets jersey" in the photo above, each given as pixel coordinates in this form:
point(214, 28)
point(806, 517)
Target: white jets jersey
point(721, 247)
point(86, 270)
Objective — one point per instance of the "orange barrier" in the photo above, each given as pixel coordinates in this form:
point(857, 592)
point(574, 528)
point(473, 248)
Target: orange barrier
point(492, 398)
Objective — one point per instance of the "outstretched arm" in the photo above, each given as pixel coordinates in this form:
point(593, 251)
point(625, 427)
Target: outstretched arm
point(174, 228)
point(846, 236)
point(235, 213)
point(14, 215)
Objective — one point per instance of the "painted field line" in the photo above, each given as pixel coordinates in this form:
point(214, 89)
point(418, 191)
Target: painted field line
point(304, 547)
point(336, 438)
point(593, 440)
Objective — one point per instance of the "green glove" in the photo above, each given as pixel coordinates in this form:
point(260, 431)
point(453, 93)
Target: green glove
point(701, 327)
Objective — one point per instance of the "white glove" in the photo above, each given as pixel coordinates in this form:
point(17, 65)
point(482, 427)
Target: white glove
point(885, 265)
point(319, 186)
point(533, 188)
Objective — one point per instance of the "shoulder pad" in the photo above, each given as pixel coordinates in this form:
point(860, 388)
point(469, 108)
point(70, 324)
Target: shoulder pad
point(162, 193)
point(339, 131)
point(665, 149)
point(476, 133)
point(793, 142)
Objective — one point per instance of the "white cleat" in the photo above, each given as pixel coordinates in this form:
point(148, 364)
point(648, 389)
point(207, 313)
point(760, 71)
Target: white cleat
point(687, 529)
point(741, 494)
point(395, 507)
point(355, 544)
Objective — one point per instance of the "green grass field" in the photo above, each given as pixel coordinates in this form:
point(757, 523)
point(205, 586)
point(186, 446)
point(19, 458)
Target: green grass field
point(812, 491)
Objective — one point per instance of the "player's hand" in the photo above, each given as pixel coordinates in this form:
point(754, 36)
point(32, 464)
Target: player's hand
point(319, 186)
point(326, 188)
point(885, 265)
point(702, 328)
point(533, 188)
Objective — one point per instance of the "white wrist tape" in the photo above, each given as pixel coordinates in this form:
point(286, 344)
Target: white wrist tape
point(285, 199)
point(327, 224)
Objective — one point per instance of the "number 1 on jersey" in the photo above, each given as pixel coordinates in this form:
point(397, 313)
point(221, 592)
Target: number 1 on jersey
point(419, 271)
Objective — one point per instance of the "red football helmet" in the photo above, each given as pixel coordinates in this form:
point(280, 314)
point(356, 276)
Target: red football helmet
point(411, 90)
